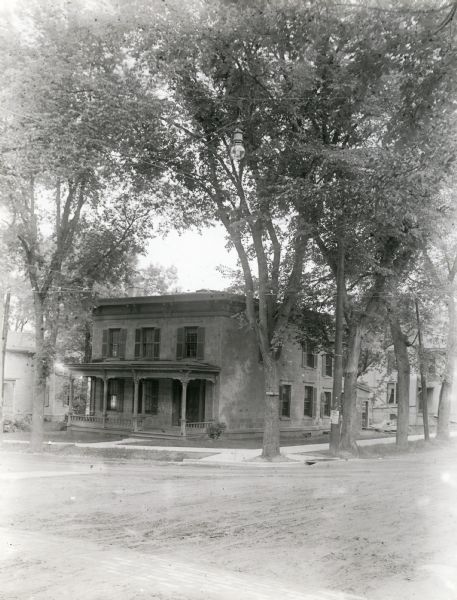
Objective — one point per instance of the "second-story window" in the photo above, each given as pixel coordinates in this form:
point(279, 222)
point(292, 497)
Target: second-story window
point(190, 343)
point(327, 365)
point(309, 358)
point(147, 343)
point(113, 343)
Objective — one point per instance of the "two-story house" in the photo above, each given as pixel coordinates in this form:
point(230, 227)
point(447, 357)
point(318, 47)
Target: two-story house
point(174, 364)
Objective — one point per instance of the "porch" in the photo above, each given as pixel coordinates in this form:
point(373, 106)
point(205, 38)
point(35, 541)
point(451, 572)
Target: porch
point(152, 399)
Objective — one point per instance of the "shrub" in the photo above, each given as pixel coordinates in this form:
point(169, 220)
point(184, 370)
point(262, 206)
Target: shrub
point(214, 430)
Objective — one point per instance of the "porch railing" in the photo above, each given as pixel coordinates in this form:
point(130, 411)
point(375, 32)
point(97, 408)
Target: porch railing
point(200, 426)
point(107, 421)
point(110, 421)
point(84, 419)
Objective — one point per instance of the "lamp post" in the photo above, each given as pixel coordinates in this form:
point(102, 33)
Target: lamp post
point(237, 150)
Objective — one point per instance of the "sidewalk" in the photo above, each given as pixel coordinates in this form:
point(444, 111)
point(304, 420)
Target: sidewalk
point(234, 456)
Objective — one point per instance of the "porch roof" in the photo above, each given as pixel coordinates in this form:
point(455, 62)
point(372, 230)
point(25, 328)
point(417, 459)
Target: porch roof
point(159, 368)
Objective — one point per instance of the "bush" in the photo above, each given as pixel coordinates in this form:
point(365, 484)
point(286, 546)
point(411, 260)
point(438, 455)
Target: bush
point(214, 430)
point(19, 424)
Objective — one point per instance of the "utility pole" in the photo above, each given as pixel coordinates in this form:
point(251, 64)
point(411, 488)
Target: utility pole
point(6, 312)
point(335, 414)
point(422, 375)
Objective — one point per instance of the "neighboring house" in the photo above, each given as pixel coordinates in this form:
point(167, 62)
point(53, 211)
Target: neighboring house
point(383, 386)
point(18, 382)
point(173, 364)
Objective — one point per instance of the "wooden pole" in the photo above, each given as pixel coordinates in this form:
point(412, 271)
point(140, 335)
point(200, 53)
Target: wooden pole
point(338, 360)
point(422, 375)
point(183, 406)
point(6, 312)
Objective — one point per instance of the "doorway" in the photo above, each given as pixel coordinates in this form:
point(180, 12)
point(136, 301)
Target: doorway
point(195, 403)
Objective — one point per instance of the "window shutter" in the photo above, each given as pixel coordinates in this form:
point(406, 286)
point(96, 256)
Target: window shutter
point(140, 396)
point(137, 343)
point(314, 402)
point(180, 343)
point(105, 343)
point(323, 364)
point(322, 406)
point(315, 360)
point(156, 343)
point(120, 391)
point(122, 342)
point(200, 343)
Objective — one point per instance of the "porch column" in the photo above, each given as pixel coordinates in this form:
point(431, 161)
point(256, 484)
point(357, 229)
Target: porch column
point(136, 386)
point(184, 383)
point(105, 399)
point(71, 397)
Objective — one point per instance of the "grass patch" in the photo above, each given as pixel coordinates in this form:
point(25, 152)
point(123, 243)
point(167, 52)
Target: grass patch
point(114, 454)
point(414, 447)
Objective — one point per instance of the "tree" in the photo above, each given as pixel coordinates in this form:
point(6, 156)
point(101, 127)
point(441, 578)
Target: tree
point(74, 128)
point(327, 98)
point(441, 267)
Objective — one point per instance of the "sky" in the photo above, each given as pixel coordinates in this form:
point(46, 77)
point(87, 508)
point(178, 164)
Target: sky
point(196, 257)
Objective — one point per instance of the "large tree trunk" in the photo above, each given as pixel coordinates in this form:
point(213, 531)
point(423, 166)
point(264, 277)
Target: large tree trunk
point(403, 377)
point(338, 359)
point(350, 424)
point(447, 387)
point(40, 378)
point(271, 427)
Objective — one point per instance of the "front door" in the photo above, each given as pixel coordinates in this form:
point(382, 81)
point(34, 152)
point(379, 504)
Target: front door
point(176, 403)
point(195, 406)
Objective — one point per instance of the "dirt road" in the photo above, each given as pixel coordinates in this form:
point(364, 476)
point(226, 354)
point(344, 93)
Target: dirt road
point(374, 529)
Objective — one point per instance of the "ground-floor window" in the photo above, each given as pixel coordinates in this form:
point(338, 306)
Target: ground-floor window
point(308, 401)
point(285, 392)
point(326, 403)
point(115, 395)
point(150, 397)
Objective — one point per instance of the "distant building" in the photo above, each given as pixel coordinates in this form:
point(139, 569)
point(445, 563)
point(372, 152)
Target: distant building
point(383, 395)
point(18, 382)
point(174, 364)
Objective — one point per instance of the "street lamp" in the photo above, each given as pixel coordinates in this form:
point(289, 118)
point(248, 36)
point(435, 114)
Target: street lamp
point(237, 150)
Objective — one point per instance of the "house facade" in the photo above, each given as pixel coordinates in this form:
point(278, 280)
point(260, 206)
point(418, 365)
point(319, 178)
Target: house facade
point(175, 364)
point(18, 382)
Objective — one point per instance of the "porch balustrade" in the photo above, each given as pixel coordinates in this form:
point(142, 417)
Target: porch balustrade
point(202, 425)
point(130, 423)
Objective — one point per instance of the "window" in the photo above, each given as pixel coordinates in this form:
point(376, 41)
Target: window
point(147, 343)
point(391, 393)
point(326, 404)
point(309, 358)
point(327, 365)
point(115, 395)
point(113, 343)
point(190, 343)
point(151, 396)
point(310, 394)
point(430, 362)
point(285, 392)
